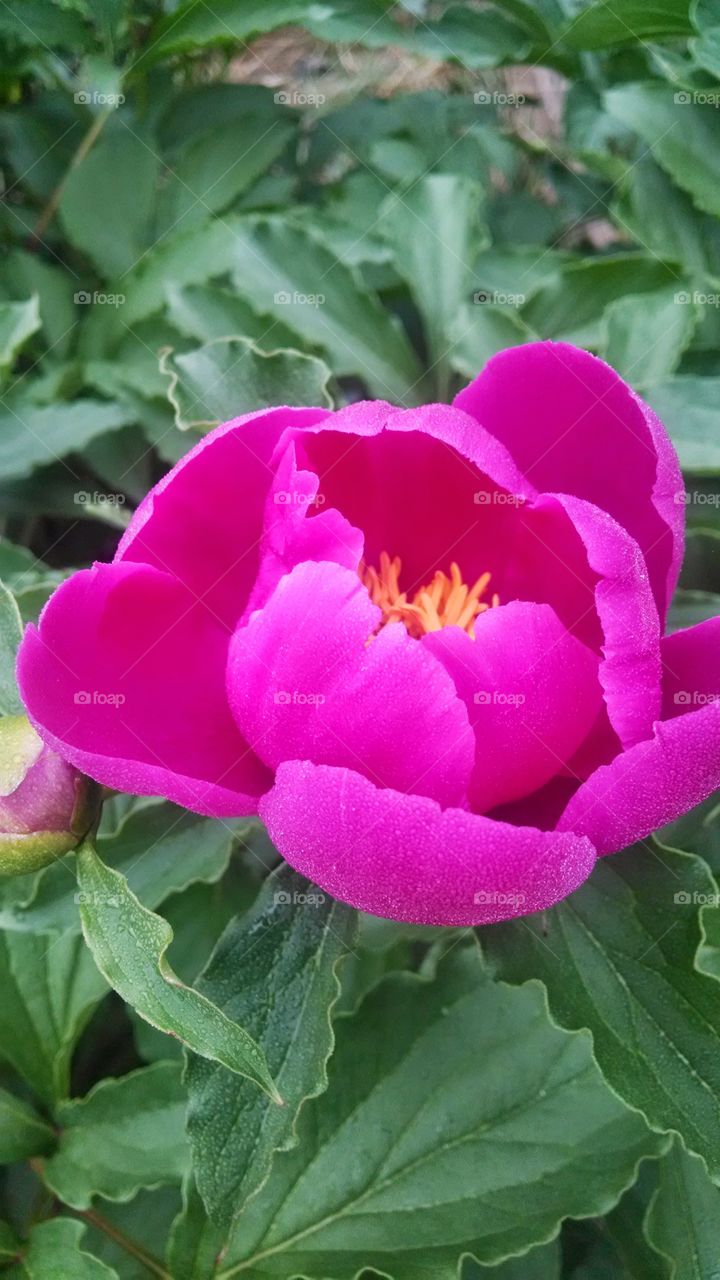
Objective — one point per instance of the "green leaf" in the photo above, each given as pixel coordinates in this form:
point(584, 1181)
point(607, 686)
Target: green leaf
point(618, 957)
point(683, 1221)
point(145, 1221)
point(25, 273)
point(28, 578)
point(594, 136)
point(125, 1135)
point(108, 200)
point(681, 133)
point(476, 39)
point(32, 594)
point(197, 917)
point(15, 560)
point(290, 277)
point(39, 141)
point(444, 1130)
point(516, 271)
point(38, 23)
point(663, 218)
point(159, 848)
point(22, 1133)
point(688, 407)
point(32, 436)
point(54, 1251)
point(286, 273)
point(231, 376)
point(542, 1263)
point(397, 160)
point(231, 21)
point(215, 102)
point(18, 321)
point(691, 607)
point(603, 23)
point(193, 257)
point(274, 970)
point(706, 50)
point(207, 312)
point(216, 166)
point(33, 588)
point(473, 38)
point(128, 943)
point(708, 958)
point(624, 1227)
point(10, 1246)
point(646, 334)
point(698, 832)
point(436, 232)
point(571, 305)
point(52, 491)
point(10, 636)
point(195, 1243)
point(479, 331)
point(50, 987)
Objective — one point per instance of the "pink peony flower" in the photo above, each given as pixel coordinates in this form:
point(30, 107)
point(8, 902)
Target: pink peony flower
point(424, 645)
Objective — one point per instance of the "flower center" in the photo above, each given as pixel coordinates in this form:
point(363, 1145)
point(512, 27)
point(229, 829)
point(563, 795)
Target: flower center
point(443, 602)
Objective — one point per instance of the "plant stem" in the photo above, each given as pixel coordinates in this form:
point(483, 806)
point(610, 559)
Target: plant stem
point(109, 1229)
point(51, 207)
point(130, 1246)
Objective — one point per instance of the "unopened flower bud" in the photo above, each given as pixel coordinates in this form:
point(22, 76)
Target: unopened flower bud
point(44, 802)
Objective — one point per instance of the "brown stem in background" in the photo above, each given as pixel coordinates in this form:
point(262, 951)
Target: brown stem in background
point(51, 207)
point(130, 1246)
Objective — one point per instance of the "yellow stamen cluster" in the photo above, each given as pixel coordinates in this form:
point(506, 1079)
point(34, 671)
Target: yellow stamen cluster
point(443, 602)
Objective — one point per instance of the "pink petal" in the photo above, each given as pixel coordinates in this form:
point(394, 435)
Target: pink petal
point(298, 527)
point(532, 695)
point(203, 521)
point(657, 781)
point(125, 677)
point(405, 858)
point(431, 486)
point(393, 476)
point(573, 426)
point(691, 668)
point(303, 681)
point(630, 670)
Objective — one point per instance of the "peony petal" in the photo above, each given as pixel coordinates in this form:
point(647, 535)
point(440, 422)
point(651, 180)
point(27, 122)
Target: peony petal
point(691, 668)
point(532, 695)
point(303, 681)
point(298, 527)
point(393, 476)
point(657, 781)
point(573, 426)
point(431, 486)
point(125, 677)
point(203, 521)
point(405, 858)
point(630, 670)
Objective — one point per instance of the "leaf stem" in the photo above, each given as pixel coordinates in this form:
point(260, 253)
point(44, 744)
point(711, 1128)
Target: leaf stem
point(51, 207)
point(94, 1219)
point(109, 1229)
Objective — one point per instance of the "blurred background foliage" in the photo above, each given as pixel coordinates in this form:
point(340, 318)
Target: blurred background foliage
point(207, 208)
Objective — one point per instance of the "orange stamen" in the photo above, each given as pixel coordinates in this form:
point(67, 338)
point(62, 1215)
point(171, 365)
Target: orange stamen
point(443, 602)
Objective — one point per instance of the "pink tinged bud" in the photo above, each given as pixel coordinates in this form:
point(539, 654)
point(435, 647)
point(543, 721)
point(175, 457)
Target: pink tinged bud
point(44, 801)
